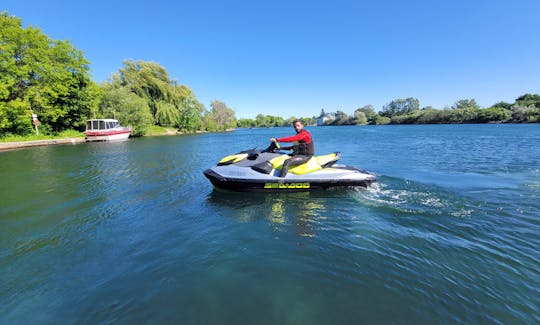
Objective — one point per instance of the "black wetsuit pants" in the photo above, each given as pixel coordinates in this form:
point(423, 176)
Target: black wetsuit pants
point(291, 162)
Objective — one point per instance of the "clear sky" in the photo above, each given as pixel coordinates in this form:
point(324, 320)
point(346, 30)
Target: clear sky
point(292, 58)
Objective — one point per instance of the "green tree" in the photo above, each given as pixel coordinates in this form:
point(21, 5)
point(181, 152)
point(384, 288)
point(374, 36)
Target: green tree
point(220, 117)
point(130, 110)
point(170, 104)
point(465, 104)
point(43, 76)
point(190, 115)
point(400, 107)
point(494, 114)
point(341, 118)
point(526, 109)
point(165, 114)
point(246, 123)
point(529, 100)
point(260, 120)
point(504, 105)
point(359, 118)
point(369, 113)
point(379, 120)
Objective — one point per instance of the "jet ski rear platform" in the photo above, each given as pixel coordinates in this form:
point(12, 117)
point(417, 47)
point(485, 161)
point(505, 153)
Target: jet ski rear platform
point(258, 171)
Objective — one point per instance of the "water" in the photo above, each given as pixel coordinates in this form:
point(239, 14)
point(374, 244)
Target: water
point(133, 232)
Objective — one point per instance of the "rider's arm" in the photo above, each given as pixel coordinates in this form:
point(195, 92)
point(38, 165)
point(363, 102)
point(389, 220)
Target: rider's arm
point(300, 136)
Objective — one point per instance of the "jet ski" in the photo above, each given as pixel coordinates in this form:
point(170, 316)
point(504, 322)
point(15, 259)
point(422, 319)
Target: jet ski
point(257, 170)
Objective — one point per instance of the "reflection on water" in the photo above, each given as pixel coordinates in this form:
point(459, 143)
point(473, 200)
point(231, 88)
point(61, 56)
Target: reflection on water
point(303, 210)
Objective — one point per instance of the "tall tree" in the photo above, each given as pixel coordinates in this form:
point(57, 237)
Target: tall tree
point(400, 107)
point(369, 114)
point(220, 117)
point(43, 76)
point(170, 104)
point(190, 115)
point(465, 104)
point(130, 110)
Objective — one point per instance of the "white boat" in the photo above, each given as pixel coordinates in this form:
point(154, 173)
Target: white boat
point(105, 130)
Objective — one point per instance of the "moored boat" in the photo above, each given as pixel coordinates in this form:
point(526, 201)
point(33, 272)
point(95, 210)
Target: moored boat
point(106, 130)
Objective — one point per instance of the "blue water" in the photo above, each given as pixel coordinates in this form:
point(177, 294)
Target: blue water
point(132, 232)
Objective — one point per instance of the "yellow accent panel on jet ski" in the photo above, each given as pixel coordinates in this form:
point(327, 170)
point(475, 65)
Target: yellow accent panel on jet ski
point(278, 161)
point(234, 158)
point(323, 160)
point(308, 167)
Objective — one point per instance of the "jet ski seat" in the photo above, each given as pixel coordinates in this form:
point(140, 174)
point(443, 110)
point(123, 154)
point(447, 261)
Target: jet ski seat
point(314, 164)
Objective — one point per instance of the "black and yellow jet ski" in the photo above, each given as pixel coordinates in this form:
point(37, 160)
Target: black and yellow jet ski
point(257, 170)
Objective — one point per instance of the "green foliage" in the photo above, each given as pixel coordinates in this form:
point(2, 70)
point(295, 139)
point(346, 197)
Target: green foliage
point(219, 118)
point(494, 114)
point(246, 123)
point(190, 115)
point(170, 104)
point(359, 118)
point(128, 108)
point(165, 114)
point(43, 76)
point(368, 113)
point(504, 105)
point(380, 120)
point(341, 118)
point(41, 136)
point(465, 104)
point(260, 120)
point(400, 107)
point(529, 100)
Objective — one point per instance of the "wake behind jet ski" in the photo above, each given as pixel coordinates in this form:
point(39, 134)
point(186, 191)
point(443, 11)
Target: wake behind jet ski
point(257, 170)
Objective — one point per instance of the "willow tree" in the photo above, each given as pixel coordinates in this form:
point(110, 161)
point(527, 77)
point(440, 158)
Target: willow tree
point(130, 110)
point(43, 76)
point(170, 104)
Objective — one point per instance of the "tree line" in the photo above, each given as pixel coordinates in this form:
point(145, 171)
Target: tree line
point(50, 78)
point(272, 121)
point(525, 109)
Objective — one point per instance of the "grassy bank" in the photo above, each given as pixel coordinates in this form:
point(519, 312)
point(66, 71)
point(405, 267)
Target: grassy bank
point(156, 130)
point(33, 137)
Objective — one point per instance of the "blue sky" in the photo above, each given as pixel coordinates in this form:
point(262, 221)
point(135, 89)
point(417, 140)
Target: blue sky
point(292, 58)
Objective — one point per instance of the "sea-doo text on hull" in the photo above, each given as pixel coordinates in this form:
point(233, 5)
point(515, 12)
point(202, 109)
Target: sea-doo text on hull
point(258, 170)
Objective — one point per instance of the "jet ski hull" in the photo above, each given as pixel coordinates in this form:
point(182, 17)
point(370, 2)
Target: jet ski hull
point(287, 184)
point(258, 171)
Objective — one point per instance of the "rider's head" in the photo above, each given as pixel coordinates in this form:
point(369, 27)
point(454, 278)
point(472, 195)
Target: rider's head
point(298, 125)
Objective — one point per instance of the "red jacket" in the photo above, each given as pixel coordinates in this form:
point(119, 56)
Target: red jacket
point(303, 137)
point(303, 143)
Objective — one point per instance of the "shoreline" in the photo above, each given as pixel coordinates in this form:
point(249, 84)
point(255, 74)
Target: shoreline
point(5, 146)
point(38, 143)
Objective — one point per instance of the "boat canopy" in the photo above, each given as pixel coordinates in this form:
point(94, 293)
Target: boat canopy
point(102, 124)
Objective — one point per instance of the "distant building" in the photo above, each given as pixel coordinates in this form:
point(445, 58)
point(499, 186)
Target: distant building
point(325, 118)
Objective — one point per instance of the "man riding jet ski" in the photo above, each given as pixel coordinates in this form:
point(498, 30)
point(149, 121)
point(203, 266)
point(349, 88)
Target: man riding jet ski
point(303, 148)
point(262, 170)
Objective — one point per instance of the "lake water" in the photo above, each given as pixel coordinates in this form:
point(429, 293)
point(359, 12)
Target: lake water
point(133, 232)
